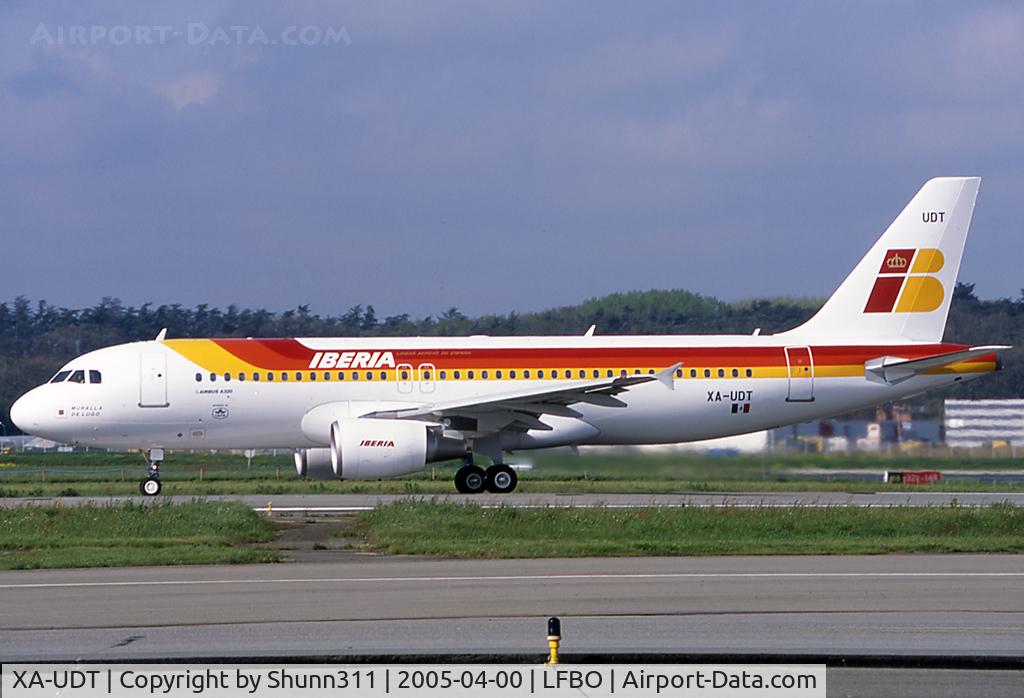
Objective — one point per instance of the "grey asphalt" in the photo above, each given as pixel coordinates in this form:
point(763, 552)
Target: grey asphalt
point(357, 502)
point(900, 605)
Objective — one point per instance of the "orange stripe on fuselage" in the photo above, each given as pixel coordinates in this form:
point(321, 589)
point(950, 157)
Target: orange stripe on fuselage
point(222, 355)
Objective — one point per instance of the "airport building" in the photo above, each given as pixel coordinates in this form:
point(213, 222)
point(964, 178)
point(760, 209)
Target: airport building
point(973, 423)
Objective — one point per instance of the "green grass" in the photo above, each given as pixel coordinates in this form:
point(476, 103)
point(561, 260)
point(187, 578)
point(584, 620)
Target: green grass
point(453, 530)
point(202, 474)
point(131, 534)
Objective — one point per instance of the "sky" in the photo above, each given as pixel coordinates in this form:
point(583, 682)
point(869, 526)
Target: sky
point(492, 156)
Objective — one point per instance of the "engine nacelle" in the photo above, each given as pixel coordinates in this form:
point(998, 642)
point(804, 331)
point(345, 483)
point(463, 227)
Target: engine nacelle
point(314, 463)
point(370, 449)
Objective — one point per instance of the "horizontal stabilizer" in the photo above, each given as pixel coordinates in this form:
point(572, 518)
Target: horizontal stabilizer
point(891, 370)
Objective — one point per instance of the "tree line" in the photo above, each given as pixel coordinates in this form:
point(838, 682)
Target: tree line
point(37, 338)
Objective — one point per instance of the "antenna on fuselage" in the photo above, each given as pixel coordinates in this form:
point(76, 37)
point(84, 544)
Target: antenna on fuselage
point(162, 335)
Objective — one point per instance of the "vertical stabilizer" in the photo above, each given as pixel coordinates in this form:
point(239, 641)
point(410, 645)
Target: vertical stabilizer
point(902, 288)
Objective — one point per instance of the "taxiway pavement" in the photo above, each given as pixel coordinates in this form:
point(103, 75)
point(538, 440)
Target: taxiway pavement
point(837, 605)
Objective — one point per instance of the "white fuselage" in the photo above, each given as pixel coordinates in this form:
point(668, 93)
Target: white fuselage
point(202, 394)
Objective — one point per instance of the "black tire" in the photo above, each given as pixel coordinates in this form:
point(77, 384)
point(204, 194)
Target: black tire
point(501, 479)
point(150, 487)
point(470, 479)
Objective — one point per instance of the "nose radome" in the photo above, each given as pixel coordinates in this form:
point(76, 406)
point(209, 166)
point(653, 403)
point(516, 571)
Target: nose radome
point(25, 412)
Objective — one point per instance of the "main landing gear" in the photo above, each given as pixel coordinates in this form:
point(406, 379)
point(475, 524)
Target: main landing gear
point(497, 479)
point(150, 487)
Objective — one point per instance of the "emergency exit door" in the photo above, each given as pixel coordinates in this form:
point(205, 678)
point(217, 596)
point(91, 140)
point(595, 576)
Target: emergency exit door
point(801, 374)
point(153, 380)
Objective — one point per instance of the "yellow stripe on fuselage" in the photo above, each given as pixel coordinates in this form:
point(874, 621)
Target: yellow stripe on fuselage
point(213, 358)
point(209, 355)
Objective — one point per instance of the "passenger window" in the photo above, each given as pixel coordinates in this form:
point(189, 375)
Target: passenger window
point(77, 377)
point(707, 372)
point(749, 373)
point(497, 374)
point(597, 374)
point(568, 373)
point(341, 375)
point(355, 375)
point(298, 375)
point(443, 375)
point(458, 375)
point(256, 376)
point(199, 377)
point(512, 373)
point(526, 373)
point(650, 371)
point(405, 375)
point(213, 377)
point(241, 376)
point(270, 377)
point(540, 372)
point(721, 373)
point(693, 373)
point(610, 373)
point(735, 373)
point(679, 373)
point(426, 375)
point(369, 375)
point(227, 376)
point(583, 374)
point(484, 374)
point(284, 375)
point(327, 375)
point(470, 375)
point(383, 375)
point(623, 373)
point(60, 377)
point(312, 376)
point(636, 371)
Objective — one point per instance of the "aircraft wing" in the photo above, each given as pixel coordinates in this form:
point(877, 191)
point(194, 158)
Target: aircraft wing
point(892, 369)
point(525, 406)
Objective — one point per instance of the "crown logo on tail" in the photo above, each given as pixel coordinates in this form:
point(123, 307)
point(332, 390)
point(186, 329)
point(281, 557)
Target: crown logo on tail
point(896, 262)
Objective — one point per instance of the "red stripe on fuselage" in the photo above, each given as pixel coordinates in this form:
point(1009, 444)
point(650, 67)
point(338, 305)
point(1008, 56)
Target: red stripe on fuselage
point(289, 354)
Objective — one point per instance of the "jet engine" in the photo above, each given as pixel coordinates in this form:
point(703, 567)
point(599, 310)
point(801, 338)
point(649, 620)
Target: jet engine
point(370, 449)
point(314, 463)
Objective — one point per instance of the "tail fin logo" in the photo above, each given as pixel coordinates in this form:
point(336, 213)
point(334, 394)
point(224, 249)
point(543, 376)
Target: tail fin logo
point(896, 262)
point(896, 290)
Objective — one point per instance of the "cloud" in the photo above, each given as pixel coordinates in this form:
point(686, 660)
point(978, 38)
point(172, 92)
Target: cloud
point(645, 62)
point(988, 51)
point(498, 157)
point(192, 88)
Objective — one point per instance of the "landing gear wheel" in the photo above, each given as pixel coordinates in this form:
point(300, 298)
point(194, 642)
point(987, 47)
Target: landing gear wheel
point(501, 479)
point(150, 487)
point(470, 479)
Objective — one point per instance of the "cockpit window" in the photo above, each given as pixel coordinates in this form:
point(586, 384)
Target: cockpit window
point(95, 377)
point(60, 377)
point(77, 377)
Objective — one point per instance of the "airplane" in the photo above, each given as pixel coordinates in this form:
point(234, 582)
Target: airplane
point(372, 408)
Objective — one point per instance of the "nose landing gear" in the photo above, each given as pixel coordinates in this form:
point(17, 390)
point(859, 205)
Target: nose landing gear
point(150, 487)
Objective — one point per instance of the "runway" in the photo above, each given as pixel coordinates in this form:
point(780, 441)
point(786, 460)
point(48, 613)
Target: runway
point(364, 605)
point(342, 503)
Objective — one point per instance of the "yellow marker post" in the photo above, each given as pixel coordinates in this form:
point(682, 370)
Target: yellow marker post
point(554, 638)
point(270, 507)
